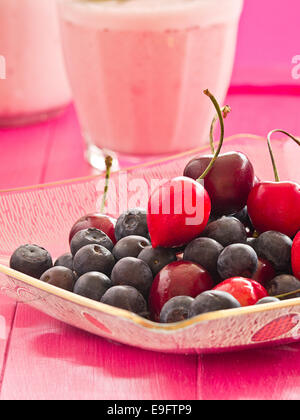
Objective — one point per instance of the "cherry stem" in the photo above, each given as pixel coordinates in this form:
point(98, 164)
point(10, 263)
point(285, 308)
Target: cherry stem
point(221, 119)
point(284, 295)
point(225, 110)
point(277, 179)
point(108, 164)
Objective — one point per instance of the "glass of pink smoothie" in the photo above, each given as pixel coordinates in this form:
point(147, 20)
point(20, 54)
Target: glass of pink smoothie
point(34, 85)
point(138, 69)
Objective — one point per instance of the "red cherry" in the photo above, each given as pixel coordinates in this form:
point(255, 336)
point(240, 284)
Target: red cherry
point(275, 206)
point(264, 273)
point(228, 183)
point(246, 291)
point(178, 212)
point(296, 256)
point(181, 278)
point(95, 220)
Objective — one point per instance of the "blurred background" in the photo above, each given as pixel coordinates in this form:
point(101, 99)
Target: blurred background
point(269, 38)
point(264, 95)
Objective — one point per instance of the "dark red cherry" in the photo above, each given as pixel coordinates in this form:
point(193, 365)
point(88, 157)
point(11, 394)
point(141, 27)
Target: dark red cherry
point(228, 183)
point(181, 278)
point(178, 212)
point(95, 220)
point(264, 273)
point(246, 291)
point(296, 256)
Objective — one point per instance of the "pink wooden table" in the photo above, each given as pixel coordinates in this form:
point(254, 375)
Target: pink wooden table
point(41, 358)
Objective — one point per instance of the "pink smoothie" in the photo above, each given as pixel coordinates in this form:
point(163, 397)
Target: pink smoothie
point(138, 69)
point(36, 84)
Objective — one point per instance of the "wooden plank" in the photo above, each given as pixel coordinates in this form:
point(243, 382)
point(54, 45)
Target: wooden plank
point(7, 314)
point(66, 156)
point(23, 154)
point(49, 360)
point(266, 374)
point(22, 158)
point(259, 114)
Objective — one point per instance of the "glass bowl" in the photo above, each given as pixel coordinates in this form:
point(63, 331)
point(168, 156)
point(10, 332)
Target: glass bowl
point(44, 215)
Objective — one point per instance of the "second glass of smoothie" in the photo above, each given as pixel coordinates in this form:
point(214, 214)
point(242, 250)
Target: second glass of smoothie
point(138, 69)
point(33, 81)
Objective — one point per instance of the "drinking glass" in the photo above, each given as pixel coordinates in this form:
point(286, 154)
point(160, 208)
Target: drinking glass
point(33, 81)
point(138, 69)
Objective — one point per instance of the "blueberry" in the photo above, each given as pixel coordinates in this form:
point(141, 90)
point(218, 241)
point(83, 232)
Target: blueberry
point(268, 299)
point(92, 285)
point(213, 218)
point(61, 277)
point(133, 272)
point(65, 260)
point(31, 260)
point(283, 284)
point(93, 258)
point(252, 242)
point(132, 222)
point(176, 309)
point(126, 297)
point(237, 260)
point(276, 248)
point(89, 237)
point(131, 246)
point(157, 258)
point(243, 217)
point(177, 249)
point(211, 301)
point(226, 231)
point(204, 251)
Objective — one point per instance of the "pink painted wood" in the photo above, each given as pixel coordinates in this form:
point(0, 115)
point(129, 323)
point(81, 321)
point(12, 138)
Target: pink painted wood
point(267, 374)
point(24, 154)
point(49, 360)
point(41, 358)
point(7, 314)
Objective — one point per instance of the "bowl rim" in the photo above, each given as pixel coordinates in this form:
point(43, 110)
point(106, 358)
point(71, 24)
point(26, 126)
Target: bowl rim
point(89, 304)
point(124, 314)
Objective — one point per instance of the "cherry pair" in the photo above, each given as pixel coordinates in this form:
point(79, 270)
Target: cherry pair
point(228, 180)
point(230, 184)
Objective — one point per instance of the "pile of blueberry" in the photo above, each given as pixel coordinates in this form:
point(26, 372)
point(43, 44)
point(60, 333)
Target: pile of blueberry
point(244, 250)
point(223, 268)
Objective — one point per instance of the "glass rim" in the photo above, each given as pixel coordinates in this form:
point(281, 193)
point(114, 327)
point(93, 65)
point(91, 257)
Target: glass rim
point(178, 15)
